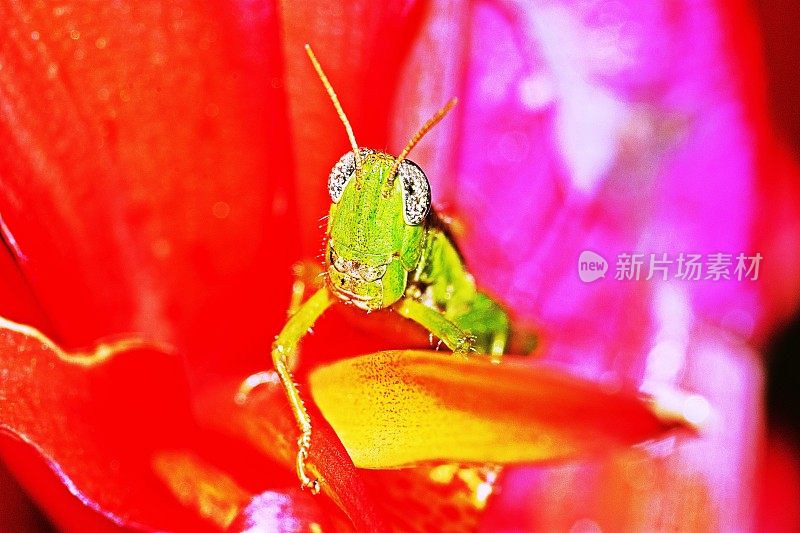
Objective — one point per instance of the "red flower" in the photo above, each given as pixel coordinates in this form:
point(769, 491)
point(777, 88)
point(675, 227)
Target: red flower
point(163, 167)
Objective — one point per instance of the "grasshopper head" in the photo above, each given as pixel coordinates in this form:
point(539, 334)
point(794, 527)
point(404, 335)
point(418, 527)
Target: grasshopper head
point(376, 228)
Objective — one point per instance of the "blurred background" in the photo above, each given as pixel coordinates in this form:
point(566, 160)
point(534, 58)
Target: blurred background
point(782, 58)
point(777, 21)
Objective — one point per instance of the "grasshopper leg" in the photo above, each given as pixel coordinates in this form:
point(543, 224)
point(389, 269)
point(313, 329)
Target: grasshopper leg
point(283, 355)
point(453, 336)
point(307, 275)
point(488, 322)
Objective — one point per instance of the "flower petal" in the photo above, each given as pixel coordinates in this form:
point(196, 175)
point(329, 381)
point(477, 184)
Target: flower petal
point(435, 497)
point(286, 512)
point(110, 439)
point(144, 171)
point(395, 409)
point(265, 420)
point(216, 495)
point(17, 511)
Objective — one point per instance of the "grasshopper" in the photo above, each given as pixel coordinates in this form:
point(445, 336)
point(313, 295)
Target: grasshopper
point(387, 249)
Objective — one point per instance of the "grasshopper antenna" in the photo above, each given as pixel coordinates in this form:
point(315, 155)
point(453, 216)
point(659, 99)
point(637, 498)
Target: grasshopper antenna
point(338, 106)
point(419, 135)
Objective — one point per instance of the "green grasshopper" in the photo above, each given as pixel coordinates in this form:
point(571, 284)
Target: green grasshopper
point(386, 249)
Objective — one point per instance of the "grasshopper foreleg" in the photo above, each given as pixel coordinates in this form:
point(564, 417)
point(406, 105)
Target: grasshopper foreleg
point(283, 355)
point(435, 322)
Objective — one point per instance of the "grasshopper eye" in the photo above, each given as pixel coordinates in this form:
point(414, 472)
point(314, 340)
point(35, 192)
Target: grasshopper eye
point(341, 173)
point(416, 192)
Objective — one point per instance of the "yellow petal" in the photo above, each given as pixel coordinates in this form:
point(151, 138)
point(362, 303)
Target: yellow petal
point(400, 408)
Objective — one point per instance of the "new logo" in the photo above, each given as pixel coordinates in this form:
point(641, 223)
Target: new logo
point(591, 266)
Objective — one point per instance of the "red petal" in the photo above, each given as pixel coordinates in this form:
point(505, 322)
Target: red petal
point(108, 426)
point(217, 496)
point(17, 511)
point(292, 511)
point(266, 421)
point(778, 497)
point(144, 171)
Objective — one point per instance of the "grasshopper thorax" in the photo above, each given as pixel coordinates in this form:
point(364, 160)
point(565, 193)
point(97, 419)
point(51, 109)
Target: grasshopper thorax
point(376, 227)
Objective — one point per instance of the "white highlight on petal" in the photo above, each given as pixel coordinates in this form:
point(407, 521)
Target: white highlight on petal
point(590, 118)
point(537, 91)
point(696, 409)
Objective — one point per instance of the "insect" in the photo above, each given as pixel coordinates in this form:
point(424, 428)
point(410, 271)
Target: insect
point(387, 249)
